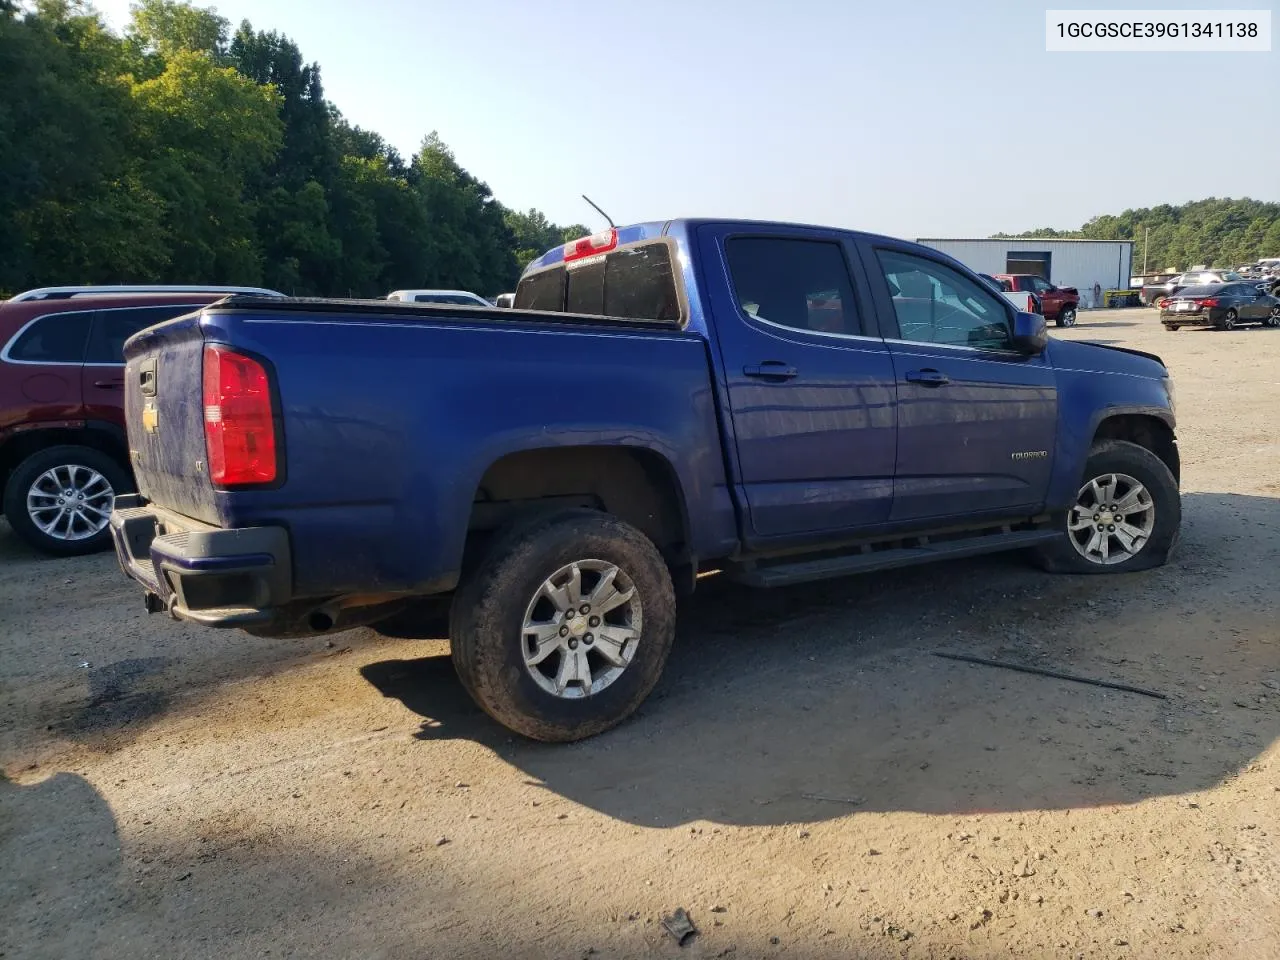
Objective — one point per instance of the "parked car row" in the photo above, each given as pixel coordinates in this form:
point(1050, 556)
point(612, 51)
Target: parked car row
point(1221, 305)
point(1264, 282)
point(1268, 268)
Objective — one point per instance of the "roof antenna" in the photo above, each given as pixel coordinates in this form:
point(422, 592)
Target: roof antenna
point(599, 211)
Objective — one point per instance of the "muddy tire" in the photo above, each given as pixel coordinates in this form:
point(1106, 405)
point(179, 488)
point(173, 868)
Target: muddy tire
point(532, 650)
point(58, 499)
point(1126, 517)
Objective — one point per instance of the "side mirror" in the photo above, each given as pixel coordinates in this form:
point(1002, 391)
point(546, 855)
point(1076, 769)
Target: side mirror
point(1030, 335)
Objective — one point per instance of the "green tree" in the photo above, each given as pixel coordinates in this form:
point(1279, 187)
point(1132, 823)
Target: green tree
point(1218, 232)
point(167, 27)
point(207, 131)
point(1270, 244)
point(535, 234)
point(74, 203)
point(471, 244)
point(179, 152)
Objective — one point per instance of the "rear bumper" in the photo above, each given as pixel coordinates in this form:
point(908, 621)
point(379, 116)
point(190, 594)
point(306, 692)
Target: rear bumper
point(201, 573)
point(1204, 318)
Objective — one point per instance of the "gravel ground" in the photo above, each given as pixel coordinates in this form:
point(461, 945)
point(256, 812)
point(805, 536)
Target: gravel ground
point(807, 781)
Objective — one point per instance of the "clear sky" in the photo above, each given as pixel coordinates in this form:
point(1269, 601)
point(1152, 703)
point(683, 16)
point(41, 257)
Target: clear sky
point(911, 118)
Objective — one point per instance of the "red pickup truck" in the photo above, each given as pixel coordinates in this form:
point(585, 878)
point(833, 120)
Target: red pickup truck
point(1059, 304)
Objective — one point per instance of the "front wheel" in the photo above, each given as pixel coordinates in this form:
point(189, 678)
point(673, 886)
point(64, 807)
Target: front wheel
point(1126, 515)
point(1067, 318)
point(565, 627)
point(59, 499)
point(1273, 318)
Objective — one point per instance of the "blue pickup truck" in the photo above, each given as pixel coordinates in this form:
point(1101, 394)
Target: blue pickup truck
point(781, 403)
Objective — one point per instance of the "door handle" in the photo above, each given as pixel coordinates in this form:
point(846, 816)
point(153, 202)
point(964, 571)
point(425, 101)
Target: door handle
point(771, 370)
point(928, 378)
point(109, 384)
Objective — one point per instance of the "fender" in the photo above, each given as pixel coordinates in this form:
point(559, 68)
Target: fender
point(1073, 448)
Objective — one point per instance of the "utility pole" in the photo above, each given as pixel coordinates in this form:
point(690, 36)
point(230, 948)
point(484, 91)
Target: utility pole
point(1146, 245)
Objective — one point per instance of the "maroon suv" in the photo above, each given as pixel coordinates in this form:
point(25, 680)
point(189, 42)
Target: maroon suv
point(63, 452)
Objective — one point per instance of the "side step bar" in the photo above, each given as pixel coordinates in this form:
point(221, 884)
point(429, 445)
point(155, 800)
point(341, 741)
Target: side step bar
point(784, 574)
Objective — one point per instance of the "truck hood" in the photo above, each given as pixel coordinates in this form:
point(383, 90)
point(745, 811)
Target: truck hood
point(1103, 358)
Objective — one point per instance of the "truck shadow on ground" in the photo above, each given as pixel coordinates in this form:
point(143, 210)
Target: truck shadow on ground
point(71, 888)
point(813, 702)
point(61, 853)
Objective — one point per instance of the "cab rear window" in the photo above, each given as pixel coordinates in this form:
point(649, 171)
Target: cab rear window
point(636, 283)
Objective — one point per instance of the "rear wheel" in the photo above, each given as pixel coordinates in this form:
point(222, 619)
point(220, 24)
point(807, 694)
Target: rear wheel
point(59, 500)
point(1229, 319)
point(565, 627)
point(1126, 515)
point(1067, 318)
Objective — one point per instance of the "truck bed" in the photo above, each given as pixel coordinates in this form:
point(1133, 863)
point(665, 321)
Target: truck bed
point(390, 414)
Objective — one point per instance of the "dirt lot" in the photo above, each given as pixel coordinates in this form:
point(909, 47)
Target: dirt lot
point(808, 781)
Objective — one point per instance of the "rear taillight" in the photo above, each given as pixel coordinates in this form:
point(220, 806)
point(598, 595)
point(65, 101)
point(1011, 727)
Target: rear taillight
point(1208, 302)
point(1162, 302)
point(590, 246)
point(239, 428)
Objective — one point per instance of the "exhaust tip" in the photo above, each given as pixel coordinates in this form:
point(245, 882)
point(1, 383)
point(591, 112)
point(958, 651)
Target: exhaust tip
point(320, 621)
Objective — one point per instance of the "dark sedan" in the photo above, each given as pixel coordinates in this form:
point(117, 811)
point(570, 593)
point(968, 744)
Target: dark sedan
point(1221, 305)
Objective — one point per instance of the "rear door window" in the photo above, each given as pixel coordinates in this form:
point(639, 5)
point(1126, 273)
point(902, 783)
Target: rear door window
point(111, 328)
point(54, 338)
point(790, 282)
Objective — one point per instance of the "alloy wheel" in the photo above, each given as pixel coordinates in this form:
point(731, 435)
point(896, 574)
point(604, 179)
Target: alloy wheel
point(581, 629)
point(1112, 519)
point(70, 502)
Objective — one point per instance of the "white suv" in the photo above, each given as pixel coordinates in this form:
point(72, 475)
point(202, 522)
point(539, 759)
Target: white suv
point(460, 297)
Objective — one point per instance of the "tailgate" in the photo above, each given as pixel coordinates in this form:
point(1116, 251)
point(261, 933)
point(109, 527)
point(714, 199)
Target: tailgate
point(164, 413)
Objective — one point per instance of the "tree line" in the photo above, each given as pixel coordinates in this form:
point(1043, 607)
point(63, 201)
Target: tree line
point(1214, 232)
point(182, 152)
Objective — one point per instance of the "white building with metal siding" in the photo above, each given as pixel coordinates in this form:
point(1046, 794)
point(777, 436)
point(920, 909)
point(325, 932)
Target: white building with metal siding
point(1067, 263)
